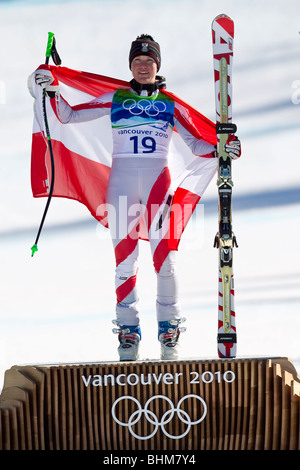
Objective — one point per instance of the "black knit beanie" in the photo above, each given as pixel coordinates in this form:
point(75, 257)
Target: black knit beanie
point(145, 45)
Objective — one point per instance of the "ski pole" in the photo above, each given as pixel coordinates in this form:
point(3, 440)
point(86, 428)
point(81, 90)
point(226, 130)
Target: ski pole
point(50, 51)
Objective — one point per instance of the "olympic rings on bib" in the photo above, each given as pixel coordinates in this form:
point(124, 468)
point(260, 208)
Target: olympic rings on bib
point(151, 108)
point(153, 419)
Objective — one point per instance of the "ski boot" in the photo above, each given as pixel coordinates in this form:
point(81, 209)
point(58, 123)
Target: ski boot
point(129, 338)
point(168, 336)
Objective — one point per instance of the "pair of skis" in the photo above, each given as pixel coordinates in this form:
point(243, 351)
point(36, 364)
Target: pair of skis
point(222, 40)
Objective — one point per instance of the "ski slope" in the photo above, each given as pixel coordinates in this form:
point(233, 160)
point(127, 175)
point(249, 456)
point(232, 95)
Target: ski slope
point(58, 306)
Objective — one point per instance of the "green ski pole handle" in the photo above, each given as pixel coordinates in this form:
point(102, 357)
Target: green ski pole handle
point(51, 50)
point(49, 46)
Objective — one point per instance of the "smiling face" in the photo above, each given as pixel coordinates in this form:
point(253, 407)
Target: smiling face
point(144, 69)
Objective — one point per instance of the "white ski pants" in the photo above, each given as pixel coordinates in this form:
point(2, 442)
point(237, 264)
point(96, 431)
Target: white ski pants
point(139, 197)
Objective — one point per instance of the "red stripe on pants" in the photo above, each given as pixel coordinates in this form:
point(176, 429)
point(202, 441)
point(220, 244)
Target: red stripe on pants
point(124, 289)
point(127, 245)
point(157, 194)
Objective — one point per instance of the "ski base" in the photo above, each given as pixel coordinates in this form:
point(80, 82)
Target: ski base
point(227, 345)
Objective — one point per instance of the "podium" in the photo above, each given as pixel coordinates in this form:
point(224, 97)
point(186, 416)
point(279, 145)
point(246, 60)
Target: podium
point(194, 404)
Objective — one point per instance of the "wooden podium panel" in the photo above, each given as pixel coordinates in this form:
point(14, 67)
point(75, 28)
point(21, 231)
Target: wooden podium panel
point(240, 404)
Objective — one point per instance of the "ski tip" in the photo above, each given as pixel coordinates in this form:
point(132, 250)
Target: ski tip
point(222, 15)
point(225, 22)
point(34, 248)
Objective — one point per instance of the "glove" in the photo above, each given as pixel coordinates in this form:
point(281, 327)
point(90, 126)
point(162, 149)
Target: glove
point(47, 81)
point(233, 147)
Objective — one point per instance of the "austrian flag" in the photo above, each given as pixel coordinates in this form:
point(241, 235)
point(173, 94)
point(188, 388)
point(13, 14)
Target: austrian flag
point(82, 151)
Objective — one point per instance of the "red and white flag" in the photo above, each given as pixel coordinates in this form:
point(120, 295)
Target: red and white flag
point(82, 152)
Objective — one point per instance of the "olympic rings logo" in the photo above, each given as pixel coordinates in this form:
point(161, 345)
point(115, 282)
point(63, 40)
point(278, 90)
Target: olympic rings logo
point(153, 419)
point(151, 108)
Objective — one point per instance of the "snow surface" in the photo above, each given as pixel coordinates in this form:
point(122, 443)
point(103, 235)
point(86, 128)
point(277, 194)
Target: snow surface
point(58, 305)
